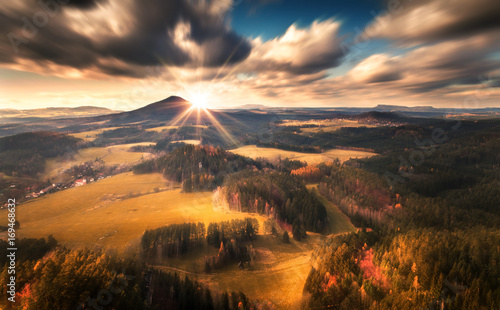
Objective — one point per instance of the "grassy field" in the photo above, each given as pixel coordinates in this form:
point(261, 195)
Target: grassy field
point(280, 271)
point(114, 213)
point(5, 177)
point(111, 155)
point(326, 125)
point(92, 134)
point(161, 128)
point(278, 275)
point(274, 155)
point(338, 222)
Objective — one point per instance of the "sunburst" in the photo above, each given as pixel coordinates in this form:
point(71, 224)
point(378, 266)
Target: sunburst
point(199, 101)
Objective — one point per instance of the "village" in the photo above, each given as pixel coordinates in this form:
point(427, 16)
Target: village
point(76, 176)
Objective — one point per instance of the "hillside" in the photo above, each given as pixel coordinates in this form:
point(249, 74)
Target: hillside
point(25, 154)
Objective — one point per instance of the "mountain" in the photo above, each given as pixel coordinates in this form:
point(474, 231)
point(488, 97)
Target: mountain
point(396, 108)
point(163, 110)
point(172, 104)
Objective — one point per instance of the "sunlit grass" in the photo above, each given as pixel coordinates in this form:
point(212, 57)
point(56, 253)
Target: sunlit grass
point(111, 155)
point(115, 212)
point(274, 155)
point(92, 134)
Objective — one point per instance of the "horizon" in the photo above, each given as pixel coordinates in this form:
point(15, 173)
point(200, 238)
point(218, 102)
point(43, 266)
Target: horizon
point(121, 56)
point(243, 107)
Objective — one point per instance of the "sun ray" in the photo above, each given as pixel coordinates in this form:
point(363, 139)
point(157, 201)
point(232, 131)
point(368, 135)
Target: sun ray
point(210, 84)
point(198, 100)
point(198, 120)
point(187, 114)
point(221, 129)
point(232, 119)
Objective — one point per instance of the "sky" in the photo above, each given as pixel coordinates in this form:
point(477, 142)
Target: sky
point(124, 54)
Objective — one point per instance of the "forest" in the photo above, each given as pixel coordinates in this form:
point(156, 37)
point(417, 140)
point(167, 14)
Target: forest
point(435, 225)
point(50, 276)
point(197, 167)
point(24, 154)
point(177, 239)
point(277, 194)
point(421, 268)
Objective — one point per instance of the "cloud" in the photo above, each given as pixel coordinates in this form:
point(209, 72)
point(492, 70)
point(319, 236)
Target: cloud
point(377, 68)
point(429, 67)
point(414, 22)
point(299, 51)
point(133, 33)
point(441, 74)
point(454, 62)
point(195, 48)
point(83, 4)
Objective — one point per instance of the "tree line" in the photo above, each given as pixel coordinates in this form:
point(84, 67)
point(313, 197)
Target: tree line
point(170, 291)
point(177, 239)
point(274, 194)
point(199, 167)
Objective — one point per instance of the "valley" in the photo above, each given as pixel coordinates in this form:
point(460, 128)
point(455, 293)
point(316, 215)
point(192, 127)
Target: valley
point(283, 216)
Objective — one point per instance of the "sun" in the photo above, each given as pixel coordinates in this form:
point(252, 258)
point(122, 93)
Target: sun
point(199, 101)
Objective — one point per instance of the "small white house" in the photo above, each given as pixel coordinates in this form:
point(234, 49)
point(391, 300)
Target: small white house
point(80, 182)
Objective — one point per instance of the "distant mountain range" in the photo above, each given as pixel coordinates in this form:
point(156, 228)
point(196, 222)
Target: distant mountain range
point(13, 114)
point(248, 118)
point(422, 111)
point(175, 104)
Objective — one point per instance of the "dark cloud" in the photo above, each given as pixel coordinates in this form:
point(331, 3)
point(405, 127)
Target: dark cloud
point(415, 22)
point(384, 77)
point(146, 37)
point(83, 4)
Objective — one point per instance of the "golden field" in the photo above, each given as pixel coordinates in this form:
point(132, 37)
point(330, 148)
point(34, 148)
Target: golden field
point(111, 155)
point(273, 154)
point(114, 212)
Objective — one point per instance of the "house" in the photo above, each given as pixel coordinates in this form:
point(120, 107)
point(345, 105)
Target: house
point(47, 189)
point(80, 182)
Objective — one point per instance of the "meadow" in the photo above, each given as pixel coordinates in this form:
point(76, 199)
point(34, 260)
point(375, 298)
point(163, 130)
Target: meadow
point(274, 155)
point(162, 128)
point(338, 222)
point(91, 135)
point(280, 269)
point(114, 213)
point(326, 125)
point(278, 275)
point(111, 155)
